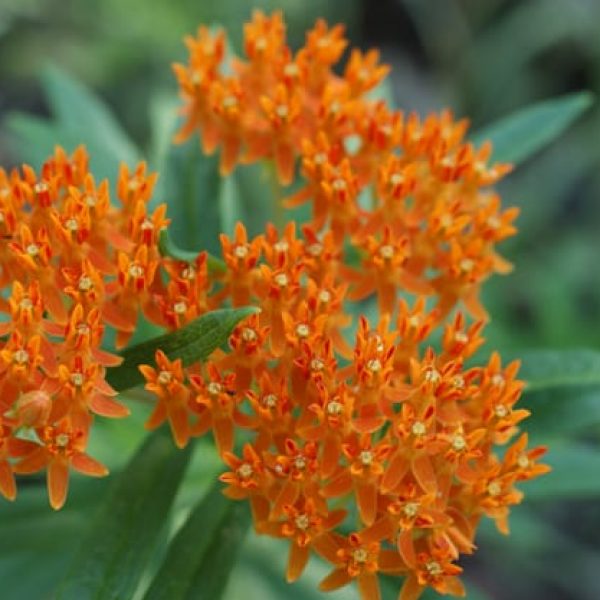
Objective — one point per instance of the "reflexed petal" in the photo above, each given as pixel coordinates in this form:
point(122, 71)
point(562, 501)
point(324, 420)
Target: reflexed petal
point(287, 495)
point(32, 463)
point(406, 547)
point(158, 416)
point(178, 420)
point(336, 579)
point(424, 473)
point(338, 486)
point(104, 406)
point(297, 560)
point(411, 590)
point(8, 487)
point(395, 472)
point(366, 499)
point(58, 482)
point(88, 466)
point(368, 584)
point(223, 431)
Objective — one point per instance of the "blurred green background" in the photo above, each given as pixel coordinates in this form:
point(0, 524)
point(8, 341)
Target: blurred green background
point(482, 58)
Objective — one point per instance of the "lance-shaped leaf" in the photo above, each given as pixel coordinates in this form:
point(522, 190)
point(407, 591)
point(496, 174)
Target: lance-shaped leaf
point(520, 135)
point(79, 109)
point(550, 369)
point(203, 552)
point(192, 343)
point(574, 474)
point(122, 536)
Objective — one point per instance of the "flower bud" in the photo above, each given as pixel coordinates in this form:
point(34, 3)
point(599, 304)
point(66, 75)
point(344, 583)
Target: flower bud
point(33, 408)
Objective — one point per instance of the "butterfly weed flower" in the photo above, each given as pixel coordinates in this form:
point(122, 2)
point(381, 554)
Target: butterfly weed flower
point(385, 420)
point(73, 263)
point(380, 418)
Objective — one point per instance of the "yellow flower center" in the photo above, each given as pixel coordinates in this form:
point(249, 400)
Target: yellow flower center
point(302, 330)
point(72, 225)
point(62, 440)
point(77, 379)
point(366, 458)
point(300, 463)
point(339, 185)
point(461, 337)
point(180, 308)
point(315, 249)
point(386, 251)
point(214, 388)
point(494, 489)
point(432, 376)
point(411, 509)
point(281, 246)
point(245, 471)
point(419, 428)
point(291, 70)
point(501, 411)
point(248, 334)
point(316, 364)
point(229, 102)
point(334, 408)
point(434, 568)
point(25, 304)
point(21, 356)
point(374, 365)
point(498, 380)
point(282, 111)
point(164, 377)
point(396, 179)
point(270, 401)
point(136, 271)
point(281, 279)
point(85, 283)
point(458, 442)
point(302, 522)
point(467, 264)
point(360, 555)
point(241, 251)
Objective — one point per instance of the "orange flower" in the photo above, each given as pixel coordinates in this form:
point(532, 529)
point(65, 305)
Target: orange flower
point(399, 206)
point(62, 447)
point(167, 382)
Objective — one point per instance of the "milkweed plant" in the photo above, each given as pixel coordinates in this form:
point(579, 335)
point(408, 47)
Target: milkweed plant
point(335, 356)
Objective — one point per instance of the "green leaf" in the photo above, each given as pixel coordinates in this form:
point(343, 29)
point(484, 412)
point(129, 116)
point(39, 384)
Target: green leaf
point(33, 139)
point(121, 538)
point(203, 552)
point(574, 474)
point(168, 248)
point(37, 539)
point(192, 343)
point(520, 135)
point(561, 412)
point(79, 117)
point(547, 369)
point(211, 579)
point(79, 109)
point(191, 184)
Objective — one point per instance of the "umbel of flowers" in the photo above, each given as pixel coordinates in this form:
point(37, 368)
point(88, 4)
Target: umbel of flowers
point(374, 450)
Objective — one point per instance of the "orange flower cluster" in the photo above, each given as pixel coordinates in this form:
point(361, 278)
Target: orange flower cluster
point(405, 193)
point(70, 264)
point(405, 431)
